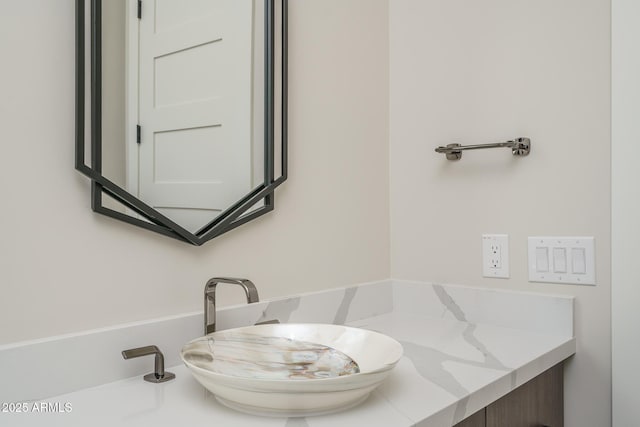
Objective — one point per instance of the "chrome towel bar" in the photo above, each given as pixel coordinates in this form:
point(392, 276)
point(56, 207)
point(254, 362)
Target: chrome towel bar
point(519, 147)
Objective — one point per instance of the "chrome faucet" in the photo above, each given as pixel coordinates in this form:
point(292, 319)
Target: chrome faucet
point(210, 298)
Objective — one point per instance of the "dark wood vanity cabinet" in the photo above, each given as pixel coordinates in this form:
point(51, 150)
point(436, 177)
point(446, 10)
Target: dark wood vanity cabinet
point(537, 403)
point(479, 419)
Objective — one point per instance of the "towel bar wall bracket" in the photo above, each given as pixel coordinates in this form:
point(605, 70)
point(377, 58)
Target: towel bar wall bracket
point(519, 147)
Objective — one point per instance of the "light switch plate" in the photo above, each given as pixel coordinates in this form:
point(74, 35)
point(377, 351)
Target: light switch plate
point(495, 255)
point(562, 260)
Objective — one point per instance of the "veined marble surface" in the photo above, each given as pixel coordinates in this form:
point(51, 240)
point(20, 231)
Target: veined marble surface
point(463, 349)
point(268, 358)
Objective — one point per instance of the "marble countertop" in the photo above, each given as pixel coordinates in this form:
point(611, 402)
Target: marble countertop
point(451, 368)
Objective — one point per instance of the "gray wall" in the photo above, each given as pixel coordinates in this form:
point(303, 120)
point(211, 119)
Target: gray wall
point(113, 88)
point(625, 276)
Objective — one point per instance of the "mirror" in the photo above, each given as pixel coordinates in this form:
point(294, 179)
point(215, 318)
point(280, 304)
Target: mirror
point(186, 130)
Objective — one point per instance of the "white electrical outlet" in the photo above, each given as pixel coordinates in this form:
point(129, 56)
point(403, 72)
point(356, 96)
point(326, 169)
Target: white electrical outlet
point(495, 255)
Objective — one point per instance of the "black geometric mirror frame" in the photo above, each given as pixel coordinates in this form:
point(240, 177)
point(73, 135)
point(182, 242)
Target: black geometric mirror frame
point(231, 218)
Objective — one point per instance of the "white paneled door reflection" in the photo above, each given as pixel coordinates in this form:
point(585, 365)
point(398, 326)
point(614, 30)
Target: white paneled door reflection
point(195, 107)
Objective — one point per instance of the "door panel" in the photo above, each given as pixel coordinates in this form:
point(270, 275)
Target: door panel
point(195, 107)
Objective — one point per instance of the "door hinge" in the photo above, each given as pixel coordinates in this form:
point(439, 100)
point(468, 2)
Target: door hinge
point(138, 134)
point(139, 9)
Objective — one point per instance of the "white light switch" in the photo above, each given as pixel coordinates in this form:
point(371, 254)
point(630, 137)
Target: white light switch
point(579, 262)
point(559, 260)
point(562, 260)
point(542, 259)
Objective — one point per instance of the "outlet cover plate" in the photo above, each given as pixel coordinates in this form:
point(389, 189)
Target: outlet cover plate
point(495, 255)
point(567, 260)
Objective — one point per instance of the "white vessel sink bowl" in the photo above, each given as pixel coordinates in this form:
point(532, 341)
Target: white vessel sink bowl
point(269, 369)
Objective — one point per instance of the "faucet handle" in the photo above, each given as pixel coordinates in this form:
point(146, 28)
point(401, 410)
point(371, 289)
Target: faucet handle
point(159, 375)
